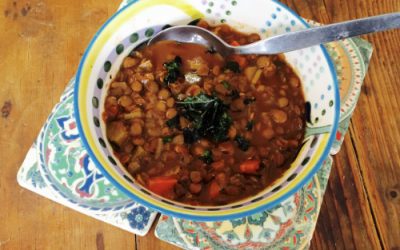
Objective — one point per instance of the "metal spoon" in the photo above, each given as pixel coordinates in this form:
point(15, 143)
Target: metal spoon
point(285, 42)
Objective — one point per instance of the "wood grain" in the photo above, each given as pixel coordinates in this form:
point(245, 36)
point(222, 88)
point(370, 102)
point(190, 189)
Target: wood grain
point(40, 51)
point(151, 242)
point(368, 213)
point(42, 42)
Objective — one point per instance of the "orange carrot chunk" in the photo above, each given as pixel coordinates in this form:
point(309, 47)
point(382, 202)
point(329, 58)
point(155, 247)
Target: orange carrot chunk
point(161, 185)
point(250, 166)
point(235, 43)
point(214, 189)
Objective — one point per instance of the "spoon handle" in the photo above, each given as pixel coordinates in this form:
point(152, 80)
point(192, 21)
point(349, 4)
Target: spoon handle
point(320, 35)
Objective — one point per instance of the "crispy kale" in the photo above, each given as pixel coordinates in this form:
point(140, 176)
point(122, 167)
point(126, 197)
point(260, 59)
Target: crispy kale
point(208, 116)
point(173, 70)
point(242, 142)
point(232, 66)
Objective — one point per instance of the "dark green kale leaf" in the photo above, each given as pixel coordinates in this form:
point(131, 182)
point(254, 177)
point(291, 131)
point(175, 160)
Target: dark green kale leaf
point(222, 128)
point(173, 70)
point(242, 142)
point(250, 125)
point(249, 100)
point(167, 139)
point(173, 122)
point(232, 66)
point(208, 116)
point(226, 84)
point(190, 135)
point(234, 94)
point(206, 157)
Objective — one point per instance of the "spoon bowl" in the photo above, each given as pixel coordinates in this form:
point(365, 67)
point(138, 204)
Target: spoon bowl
point(194, 34)
point(282, 43)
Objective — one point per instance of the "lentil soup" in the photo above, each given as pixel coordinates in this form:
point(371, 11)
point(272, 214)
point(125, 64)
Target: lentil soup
point(201, 129)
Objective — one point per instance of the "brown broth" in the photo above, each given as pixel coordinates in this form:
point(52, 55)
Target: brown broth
point(165, 51)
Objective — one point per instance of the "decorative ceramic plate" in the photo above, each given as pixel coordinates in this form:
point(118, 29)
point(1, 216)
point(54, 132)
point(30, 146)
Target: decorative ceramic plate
point(351, 58)
point(137, 219)
point(67, 168)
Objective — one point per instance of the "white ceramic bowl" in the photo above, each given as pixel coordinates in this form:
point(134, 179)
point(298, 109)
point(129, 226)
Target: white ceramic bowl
point(137, 22)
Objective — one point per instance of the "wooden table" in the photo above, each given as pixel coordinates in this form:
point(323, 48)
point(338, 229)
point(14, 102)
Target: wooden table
point(41, 44)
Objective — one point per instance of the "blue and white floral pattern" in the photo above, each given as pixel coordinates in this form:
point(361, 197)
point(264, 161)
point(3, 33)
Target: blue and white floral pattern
point(139, 217)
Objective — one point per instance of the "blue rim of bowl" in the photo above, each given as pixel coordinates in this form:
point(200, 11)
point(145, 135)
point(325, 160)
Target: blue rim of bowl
point(261, 208)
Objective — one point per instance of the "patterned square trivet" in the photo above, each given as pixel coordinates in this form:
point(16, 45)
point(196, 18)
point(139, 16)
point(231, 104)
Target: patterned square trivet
point(58, 168)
